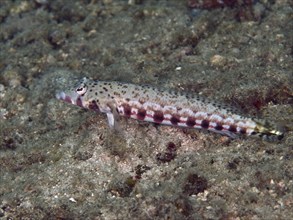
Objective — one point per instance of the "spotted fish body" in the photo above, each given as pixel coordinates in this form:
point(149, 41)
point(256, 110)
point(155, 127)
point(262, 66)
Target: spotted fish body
point(163, 107)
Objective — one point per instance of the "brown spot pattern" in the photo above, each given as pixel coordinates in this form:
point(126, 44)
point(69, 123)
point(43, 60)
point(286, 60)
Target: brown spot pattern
point(219, 127)
point(93, 106)
point(205, 124)
point(127, 110)
point(190, 121)
point(141, 113)
point(175, 119)
point(158, 116)
point(232, 128)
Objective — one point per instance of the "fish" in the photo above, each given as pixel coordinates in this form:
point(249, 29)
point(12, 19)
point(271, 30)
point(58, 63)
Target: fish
point(166, 107)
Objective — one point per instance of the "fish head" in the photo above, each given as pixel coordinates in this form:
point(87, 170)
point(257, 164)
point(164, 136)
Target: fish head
point(76, 95)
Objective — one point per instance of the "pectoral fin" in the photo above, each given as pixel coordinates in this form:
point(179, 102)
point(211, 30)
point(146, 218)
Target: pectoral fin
point(113, 118)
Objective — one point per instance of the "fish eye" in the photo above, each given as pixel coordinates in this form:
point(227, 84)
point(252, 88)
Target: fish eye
point(81, 89)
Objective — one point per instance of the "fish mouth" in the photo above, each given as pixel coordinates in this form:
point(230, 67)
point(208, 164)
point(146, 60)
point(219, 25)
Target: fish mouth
point(62, 96)
point(72, 99)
